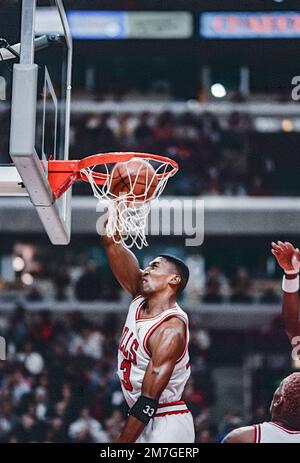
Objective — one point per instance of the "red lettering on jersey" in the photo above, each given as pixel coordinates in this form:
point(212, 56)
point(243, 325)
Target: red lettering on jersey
point(130, 353)
point(133, 348)
point(125, 331)
point(125, 352)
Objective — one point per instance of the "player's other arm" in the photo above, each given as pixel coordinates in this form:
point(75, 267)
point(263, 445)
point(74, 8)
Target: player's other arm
point(245, 435)
point(166, 344)
point(124, 265)
point(289, 260)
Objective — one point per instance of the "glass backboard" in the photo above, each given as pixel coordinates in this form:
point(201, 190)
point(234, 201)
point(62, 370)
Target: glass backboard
point(38, 86)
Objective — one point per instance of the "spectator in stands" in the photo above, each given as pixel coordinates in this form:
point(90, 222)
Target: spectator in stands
point(204, 436)
point(257, 187)
point(213, 181)
point(87, 429)
point(61, 280)
point(20, 385)
point(88, 287)
point(55, 432)
point(241, 286)
point(41, 400)
point(18, 330)
point(89, 342)
point(28, 429)
point(6, 418)
point(34, 295)
point(163, 130)
point(143, 133)
point(260, 414)
point(113, 425)
point(214, 286)
point(194, 398)
point(269, 296)
point(124, 130)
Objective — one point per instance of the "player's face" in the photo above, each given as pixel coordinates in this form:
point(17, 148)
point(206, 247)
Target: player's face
point(156, 276)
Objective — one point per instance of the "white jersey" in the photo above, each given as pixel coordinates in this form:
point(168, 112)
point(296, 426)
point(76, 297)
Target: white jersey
point(270, 432)
point(134, 357)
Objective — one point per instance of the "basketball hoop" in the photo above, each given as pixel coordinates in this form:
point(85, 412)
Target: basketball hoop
point(127, 212)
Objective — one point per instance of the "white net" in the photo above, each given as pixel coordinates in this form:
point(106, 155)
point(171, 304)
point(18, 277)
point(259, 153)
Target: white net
point(128, 211)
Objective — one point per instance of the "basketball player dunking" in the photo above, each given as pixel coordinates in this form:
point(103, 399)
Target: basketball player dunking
point(285, 408)
point(153, 359)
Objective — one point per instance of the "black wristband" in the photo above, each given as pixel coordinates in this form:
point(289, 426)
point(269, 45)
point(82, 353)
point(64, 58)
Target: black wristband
point(144, 409)
point(291, 276)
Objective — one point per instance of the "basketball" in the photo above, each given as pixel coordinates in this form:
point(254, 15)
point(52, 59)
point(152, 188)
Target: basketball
point(136, 176)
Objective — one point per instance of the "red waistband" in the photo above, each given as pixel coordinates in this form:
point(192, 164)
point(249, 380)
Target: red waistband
point(171, 404)
point(172, 408)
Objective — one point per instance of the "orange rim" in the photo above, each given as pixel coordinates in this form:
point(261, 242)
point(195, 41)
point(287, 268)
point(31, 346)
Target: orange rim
point(62, 174)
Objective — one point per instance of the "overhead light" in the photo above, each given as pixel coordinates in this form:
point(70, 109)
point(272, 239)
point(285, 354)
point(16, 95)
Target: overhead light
point(27, 279)
point(18, 264)
point(287, 125)
point(218, 90)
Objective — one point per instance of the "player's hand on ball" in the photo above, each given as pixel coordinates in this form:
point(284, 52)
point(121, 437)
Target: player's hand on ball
point(287, 256)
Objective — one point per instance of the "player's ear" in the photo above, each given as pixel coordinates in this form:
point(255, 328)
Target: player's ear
point(175, 280)
point(278, 401)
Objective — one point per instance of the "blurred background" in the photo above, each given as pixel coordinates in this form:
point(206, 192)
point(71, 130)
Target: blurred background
point(213, 85)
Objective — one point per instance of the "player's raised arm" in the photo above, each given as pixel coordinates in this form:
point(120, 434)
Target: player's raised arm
point(166, 344)
point(124, 265)
point(289, 260)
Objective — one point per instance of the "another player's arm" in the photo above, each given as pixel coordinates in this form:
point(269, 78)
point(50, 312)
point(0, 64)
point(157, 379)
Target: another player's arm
point(290, 313)
point(166, 344)
point(124, 265)
point(245, 435)
point(288, 258)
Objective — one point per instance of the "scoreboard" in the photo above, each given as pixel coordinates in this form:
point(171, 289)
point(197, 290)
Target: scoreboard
point(250, 25)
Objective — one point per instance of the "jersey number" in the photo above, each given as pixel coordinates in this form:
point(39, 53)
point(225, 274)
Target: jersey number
point(126, 368)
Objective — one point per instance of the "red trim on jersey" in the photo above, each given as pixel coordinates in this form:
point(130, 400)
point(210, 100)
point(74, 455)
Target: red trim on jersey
point(139, 319)
point(284, 428)
point(259, 434)
point(136, 297)
point(153, 328)
point(186, 340)
point(255, 434)
point(170, 404)
point(138, 310)
point(176, 412)
point(146, 319)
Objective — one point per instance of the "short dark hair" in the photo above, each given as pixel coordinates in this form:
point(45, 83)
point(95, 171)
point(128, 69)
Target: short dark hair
point(291, 393)
point(181, 268)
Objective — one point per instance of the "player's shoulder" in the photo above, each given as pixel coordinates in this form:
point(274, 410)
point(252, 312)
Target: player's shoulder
point(172, 326)
point(174, 318)
point(180, 312)
point(169, 337)
point(244, 435)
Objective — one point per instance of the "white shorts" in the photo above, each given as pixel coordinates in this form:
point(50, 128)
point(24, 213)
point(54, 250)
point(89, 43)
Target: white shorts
point(177, 428)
